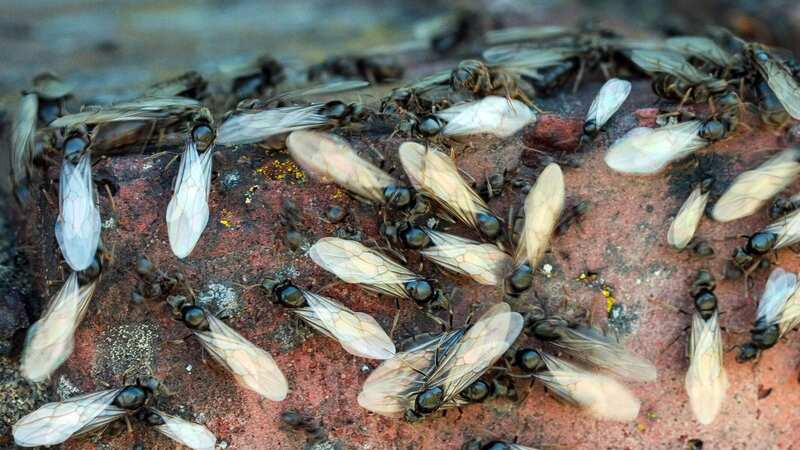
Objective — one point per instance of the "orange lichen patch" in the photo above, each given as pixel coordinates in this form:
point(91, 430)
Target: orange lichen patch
point(282, 170)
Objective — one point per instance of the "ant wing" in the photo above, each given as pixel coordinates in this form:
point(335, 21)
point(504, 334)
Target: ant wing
point(50, 340)
point(435, 173)
point(355, 263)
point(187, 212)
point(499, 116)
point(608, 101)
point(252, 127)
point(543, 207)
point(752, 189)
point(54, 423)
point(779, 288)
point(390, 388)
point(192, 435)
point(782, 83)
point(685, 224)
point(330, 159)
point(590, 345)
point(787, 228)
point(644, 151)
point(484, 263)
point(78, 223)
point(706, 381)
point(24, 136)
point(599, 395)
point(252, 367)
point(359, 333)
point(481, 346)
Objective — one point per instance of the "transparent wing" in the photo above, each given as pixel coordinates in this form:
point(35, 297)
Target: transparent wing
point(590, 345)
point(517, 34)
point(706, 381)
point(24, 135)
point(330, 159)
point(434, 173)
point(520, 447)
point(433, 79)
point(323, 89)
point(787, 228)
point(688, 218)
point(187, 211)
point(783, 84)
point(484, 263)
point(358, 333)
point(543, 207)
point(353, 262)
point(192, 435)
point(780, 286)
point(527, 60)
point(494, 115)
point(601, 396)
point(700, 47)
point(252, 127)
point(790, 316)
point(670, 62)
point(479, 348)
point(56, 422)
point(389, 390)
point(608, 101)
point(252, 367)
point(78, 223)
point(50, 340)
point(644, 151)
point(150, 108)
point(752, 189)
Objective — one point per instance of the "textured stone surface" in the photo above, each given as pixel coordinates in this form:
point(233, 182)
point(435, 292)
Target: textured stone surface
point(623, 237)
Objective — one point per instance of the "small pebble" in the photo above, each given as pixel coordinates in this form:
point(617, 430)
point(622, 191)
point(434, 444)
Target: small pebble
point(137, 298)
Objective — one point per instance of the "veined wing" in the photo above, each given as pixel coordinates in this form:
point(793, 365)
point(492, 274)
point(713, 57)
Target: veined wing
point(353, 262)
point(706, 381)
point(252, 127)
point(752, 189)
point(592, 346)
point(56, 422)
point(483, 343)
point(700, 47)
point(781, 81)
point(601, 396)
point(358, 333)
point(192, 435)
point(543, 207)
point(608, 101)
point(149, 108)
point(323, 89)
point(433, 172)
point(331, 160)
point(484, 263)
point(50, 340)
point(24, 136)
point(527, 60)
point(644, 151)
point(78, 223)
point(688, 218)
point(494, 115)
point(187, 212)
point(780, 286)
point(389, 390)
point(666, 61)
point(787, 228)
point(252, 367)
